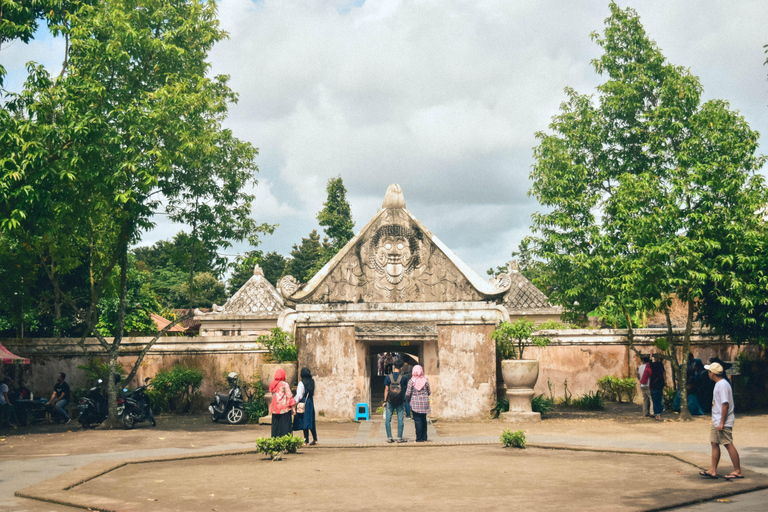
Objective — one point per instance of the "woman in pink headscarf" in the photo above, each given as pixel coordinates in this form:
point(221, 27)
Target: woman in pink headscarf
point(417, 395)
point(281, 406)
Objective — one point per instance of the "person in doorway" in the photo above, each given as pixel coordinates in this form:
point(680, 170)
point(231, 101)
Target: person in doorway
point(644, 376)
point(6, 407)
point(417, 394)
point(721, 430)
point(281, 406)
point(59, 399)
point(658, 380)
point(305, 394)
point(406, 372)
point(394, 391)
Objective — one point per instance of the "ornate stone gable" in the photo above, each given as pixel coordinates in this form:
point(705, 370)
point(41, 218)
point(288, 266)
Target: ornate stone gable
point(522, 293)
point(257, 297)
point(393, 259)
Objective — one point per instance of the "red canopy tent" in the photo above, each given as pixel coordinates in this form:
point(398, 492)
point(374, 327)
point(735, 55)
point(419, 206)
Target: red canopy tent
point(10, 358)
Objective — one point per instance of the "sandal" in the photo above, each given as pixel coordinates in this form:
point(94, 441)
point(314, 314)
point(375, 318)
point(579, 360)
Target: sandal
point(733, 477)
point(313, 443)
point(708, 475)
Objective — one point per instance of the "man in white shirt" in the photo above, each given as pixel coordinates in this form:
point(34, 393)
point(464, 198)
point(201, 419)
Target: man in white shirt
point(6, 407)
point(721, 431)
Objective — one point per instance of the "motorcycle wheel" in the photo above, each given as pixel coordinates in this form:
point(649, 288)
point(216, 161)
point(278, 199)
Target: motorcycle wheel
point(235, 416)
point(128, 421)
point(152, 419)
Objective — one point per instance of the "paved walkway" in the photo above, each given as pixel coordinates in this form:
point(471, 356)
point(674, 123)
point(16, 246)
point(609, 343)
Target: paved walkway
point(18, 474)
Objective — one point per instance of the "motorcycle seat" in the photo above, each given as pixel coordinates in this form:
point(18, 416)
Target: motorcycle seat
point(223, 396)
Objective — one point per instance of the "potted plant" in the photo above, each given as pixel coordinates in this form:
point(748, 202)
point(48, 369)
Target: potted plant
point(519, 374)
point(281, 353)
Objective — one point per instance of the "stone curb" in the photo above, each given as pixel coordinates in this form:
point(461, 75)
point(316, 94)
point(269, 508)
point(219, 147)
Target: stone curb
point(59, 490)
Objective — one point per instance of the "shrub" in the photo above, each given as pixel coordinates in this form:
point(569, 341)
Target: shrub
point(280, 345)
point(501, 405)
point(520, 333)
point(275, 446)
point(174, 390)
point(669, 397)
point(553, 325)
point(590, 401)
point(605, 386)
point(256, 406)
point(95, 369)
point(613, 388)
point(542, 404)
point(514, 439)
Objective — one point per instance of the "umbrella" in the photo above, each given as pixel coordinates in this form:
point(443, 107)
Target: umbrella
point(9, 358)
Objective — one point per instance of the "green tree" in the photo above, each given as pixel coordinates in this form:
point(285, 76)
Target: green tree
point(650, 193)
point(336, 217)
point(304, 258)
point(273, 265)
point(130, 127)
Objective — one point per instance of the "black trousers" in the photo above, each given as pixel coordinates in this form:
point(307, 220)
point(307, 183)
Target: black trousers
point(420, 422)
point(306, 434)
point(282, 424)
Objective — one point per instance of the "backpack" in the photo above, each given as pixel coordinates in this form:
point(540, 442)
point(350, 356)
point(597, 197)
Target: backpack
point(395, 396)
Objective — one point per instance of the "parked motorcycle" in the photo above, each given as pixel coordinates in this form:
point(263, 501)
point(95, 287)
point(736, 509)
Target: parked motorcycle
point(92, 408)
point(134, 407)
point(228, 405)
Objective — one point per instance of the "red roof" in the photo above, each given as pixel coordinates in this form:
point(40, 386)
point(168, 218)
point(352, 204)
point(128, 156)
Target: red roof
point(10, 358)
point(162, 322)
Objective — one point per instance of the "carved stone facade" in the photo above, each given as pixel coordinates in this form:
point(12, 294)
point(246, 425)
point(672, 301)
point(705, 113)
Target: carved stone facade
point(394, 258)
point(253, 310)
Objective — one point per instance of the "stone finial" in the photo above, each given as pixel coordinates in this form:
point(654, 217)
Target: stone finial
point(513, 266)
point(257, 270)
point(394, 197)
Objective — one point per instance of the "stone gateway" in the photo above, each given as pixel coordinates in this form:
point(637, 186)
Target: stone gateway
point(396, 288)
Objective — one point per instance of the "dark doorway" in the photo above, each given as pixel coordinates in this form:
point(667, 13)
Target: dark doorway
point(380, 361)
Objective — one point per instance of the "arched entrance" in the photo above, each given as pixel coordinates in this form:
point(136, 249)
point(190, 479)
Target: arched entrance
point(380, 358)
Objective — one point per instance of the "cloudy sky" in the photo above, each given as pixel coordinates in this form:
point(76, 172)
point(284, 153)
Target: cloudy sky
point(443, 97)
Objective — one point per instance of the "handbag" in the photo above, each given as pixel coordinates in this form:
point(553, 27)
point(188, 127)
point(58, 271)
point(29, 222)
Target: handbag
point(301, 406)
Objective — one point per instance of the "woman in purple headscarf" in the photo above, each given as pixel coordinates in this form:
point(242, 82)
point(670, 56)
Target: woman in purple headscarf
point(417, 395)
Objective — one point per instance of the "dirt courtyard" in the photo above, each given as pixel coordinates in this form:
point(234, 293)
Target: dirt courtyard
point(426, 478)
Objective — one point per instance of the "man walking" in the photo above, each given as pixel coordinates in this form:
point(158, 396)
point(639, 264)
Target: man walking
point(721, 431)
point(394, 391)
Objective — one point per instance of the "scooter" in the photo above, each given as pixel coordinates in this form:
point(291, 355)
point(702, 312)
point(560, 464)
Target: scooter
point(92, 408)
point(230, 406)
point(134, 407)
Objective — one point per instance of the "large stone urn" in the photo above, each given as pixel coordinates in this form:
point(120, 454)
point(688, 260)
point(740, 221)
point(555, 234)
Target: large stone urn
point(267, 376)
point(520, 377)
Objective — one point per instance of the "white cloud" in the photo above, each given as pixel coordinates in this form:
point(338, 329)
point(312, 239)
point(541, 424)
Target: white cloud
point(443, 97)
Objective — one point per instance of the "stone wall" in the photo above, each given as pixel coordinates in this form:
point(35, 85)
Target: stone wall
point(584, 355)
point(459, 361)
point(339, 370)
point(214, 355)
point(464, 382)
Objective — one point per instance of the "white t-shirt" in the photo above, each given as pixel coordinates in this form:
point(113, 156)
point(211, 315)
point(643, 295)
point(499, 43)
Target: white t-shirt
point(722, 394)
point(3, 391)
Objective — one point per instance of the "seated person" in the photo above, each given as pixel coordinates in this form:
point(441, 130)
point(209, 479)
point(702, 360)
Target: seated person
point(20, 393)
point(6, 406)
point(60, 398)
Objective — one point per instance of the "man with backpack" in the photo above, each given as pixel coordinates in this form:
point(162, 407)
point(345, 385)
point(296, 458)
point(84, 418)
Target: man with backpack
point(394, 397)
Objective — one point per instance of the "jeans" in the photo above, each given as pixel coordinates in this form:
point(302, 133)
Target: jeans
point(657, 395)
point(407, 409)
point(388, 418)
point(420, 422)
point(60, 407)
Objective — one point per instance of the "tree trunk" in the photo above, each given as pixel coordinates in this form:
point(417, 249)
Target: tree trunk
point(682, 373)
point(671, 344)
point(112, 420)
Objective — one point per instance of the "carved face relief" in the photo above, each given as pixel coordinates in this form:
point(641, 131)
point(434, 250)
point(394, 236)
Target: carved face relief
point(394, 252)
